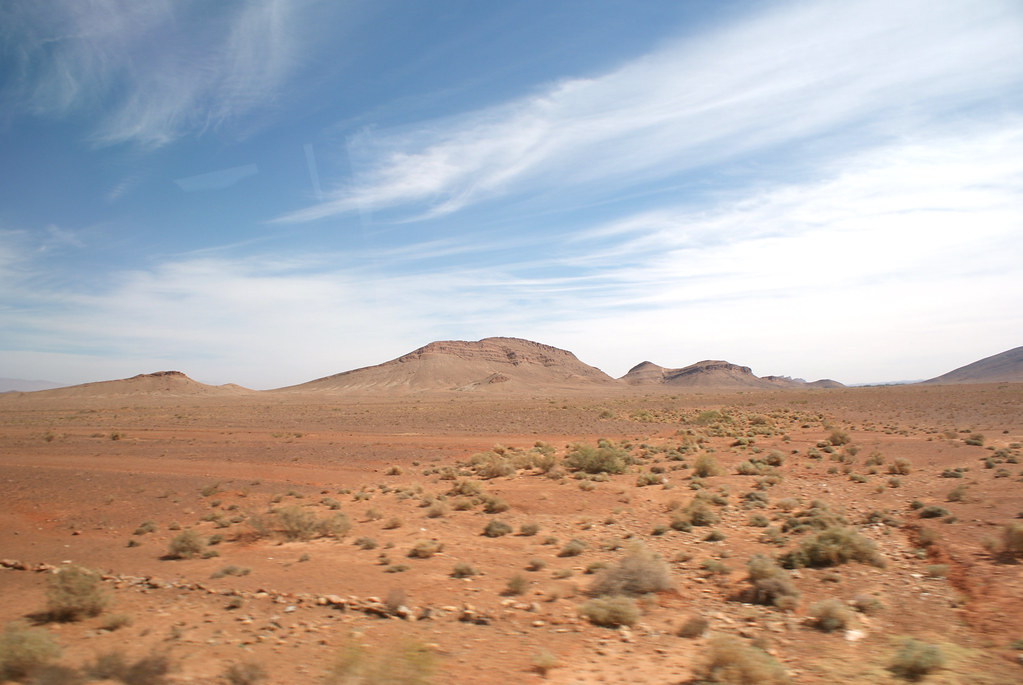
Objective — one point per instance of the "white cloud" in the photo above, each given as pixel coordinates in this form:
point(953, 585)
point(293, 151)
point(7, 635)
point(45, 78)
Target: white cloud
point(867, 70)
point(150, 73)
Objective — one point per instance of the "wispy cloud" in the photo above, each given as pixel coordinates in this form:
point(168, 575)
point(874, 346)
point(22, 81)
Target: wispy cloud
point(869, 70)
point(853, 275)
point(145, 71)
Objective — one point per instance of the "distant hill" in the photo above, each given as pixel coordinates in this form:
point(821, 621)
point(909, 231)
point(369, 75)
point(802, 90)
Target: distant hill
point(162, 383)
point(713, 374)
point(22, 385)
point(1005, 367)
point(501, 364)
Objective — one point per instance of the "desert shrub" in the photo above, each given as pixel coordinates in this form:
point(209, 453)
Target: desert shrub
point(116, 622)
point(437, 510)
point(706, 466)
point(489, 465)
point(731, 662)
point(543, 661)
point(536, 565)
point(245, 673)
point(694, 626)
point(927, 537)
point(916, 659)
point(424, 549)
point(334, 526)
point(866, 604)
point(838, 437)
point(975, 439)
point(649, 478)
point(494, 505)
point(759, 521)
point(463, 570)
point(832, 547)
point(74, 593)
point(610, 612)
point(933, 511)
point(148, 670)
point(392, 523)
point(770, 584)
point(296, 523)
point(817, 516)
point(529, 529)
point(516, 585)
point(496, 529)
point(572, 548)
point(394, 470)
point(408, 663)
point(830, 615)
point(637, 573)
point(365, 543)
point(603, 459)
point(1012, 539)
point(145, 527)
point(23, 650)
point(465, 488)
point(899, 467)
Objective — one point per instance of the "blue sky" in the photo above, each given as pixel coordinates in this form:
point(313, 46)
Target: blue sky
point(267, 192)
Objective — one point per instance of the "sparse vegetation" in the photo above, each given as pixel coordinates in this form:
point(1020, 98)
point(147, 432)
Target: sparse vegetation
point(74, 593)
point(23, 650)
point(637, 573)
point(830, 615)
point(610, 612)
point(185, 545)
point(832, 547)
point(916, 659)
point(731, 662)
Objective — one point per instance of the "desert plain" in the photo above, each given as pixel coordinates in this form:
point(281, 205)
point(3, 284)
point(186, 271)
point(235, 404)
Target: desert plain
point(307, 537)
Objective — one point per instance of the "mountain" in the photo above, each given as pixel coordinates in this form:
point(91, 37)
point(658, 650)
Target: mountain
point(161, 383)
point(491, 364)
point(1005, 367)
point(714, 374)
point(22, 385)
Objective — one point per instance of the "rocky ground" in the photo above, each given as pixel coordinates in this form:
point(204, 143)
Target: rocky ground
point(350, 531)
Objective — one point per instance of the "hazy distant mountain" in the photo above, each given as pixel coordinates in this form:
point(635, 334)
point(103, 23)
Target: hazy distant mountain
point(1005, 367)
point(714, 374)
point(22, 385)
point(504, 364)
point(164, 383)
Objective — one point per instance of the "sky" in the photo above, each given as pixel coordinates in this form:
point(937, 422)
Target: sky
point(271, 191)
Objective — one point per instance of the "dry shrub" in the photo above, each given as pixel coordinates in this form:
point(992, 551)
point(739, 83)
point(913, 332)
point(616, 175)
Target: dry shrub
point(731, 662)
point(832, 547)
point(245, 673)
point(694, 626)
point(770, 584)
point(23, 650)
point(148, 670)
point(603, 459)
point(74, 594)
point(185, 545)
point(610, 612)
point(916, 659)
point(830, 615)
point(424, 549)
point(638, 573)
point(1012, 539)
point(706, 466)
point(496, 529)
point(408, 663)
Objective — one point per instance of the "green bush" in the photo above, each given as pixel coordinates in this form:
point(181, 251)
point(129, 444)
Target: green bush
point(610, 612)
point(731, 662)
point(916, 659)
point(23, 650)
point(74, 593)
point(832, 547)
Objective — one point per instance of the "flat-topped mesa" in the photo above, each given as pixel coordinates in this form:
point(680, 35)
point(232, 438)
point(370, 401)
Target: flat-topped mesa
point(161, 374)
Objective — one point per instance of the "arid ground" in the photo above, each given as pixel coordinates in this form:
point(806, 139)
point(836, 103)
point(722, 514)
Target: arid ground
point(330, 529)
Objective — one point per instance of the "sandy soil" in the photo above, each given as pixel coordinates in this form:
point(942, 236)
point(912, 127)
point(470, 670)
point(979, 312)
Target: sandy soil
point(80, 475)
